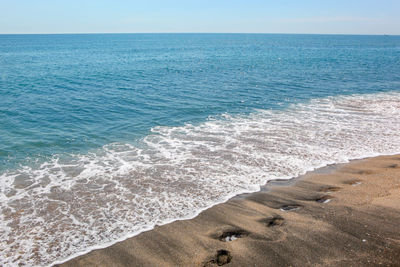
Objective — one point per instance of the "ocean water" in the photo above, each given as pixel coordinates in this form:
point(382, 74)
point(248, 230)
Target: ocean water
point(104, 136)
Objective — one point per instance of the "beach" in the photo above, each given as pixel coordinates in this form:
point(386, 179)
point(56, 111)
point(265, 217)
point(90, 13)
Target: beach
point(340, 215)
point(153, 146)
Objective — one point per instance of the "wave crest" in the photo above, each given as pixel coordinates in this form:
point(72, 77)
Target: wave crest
point(69, 206)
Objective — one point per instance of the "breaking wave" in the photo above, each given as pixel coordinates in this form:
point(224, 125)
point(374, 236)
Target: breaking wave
point(68, 206)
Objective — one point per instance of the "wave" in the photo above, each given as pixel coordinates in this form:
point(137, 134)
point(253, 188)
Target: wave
point(68, 206)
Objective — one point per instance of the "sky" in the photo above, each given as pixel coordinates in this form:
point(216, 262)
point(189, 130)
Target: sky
point(227, 16)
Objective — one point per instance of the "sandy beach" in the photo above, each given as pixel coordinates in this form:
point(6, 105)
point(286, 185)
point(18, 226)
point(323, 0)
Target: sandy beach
point(342, 215)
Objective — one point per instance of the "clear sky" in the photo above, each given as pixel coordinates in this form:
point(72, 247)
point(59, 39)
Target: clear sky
point(258, 16)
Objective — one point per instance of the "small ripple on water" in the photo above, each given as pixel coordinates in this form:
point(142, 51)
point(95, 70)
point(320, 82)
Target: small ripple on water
point(65, 207)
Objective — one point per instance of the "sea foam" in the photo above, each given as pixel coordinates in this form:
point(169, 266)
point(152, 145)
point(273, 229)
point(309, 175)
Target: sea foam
point(68, 206)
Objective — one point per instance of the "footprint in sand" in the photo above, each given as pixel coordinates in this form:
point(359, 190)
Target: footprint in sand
point(329, 189)
point(324, 199)
point(290, 207)
point(221, 258)
point(353, 182)
point(273, 221)
point(232, 235)
point(393, 166)
point(364, 172)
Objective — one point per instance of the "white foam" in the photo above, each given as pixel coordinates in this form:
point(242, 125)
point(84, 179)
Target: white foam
point(65, 208)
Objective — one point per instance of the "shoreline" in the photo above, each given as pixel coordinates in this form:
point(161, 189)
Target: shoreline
point(277, 216)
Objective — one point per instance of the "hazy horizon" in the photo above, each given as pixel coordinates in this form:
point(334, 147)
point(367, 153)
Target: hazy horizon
point(266, 33)
point(356, 17)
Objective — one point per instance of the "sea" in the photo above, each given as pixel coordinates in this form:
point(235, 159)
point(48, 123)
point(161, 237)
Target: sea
point(104, 136)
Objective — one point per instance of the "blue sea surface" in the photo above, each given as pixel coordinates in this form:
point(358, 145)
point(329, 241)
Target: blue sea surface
point(62, 94)
point(104, 136)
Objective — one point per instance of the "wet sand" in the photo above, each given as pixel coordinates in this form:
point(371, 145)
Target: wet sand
point(346, 215)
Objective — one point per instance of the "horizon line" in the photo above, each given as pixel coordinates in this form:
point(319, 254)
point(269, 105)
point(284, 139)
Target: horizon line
point(283, 33)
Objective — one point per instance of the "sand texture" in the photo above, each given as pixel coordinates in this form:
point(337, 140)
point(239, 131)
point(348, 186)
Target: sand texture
point(349, 216)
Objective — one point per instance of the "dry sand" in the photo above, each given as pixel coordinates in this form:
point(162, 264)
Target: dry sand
point(348, 215)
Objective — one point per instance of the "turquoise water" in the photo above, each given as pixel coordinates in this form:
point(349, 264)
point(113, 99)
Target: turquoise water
point(73, 93)
point(103, 136)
